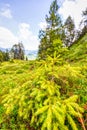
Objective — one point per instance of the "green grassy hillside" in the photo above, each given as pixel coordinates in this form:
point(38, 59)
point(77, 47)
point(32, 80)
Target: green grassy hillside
point(78, 51)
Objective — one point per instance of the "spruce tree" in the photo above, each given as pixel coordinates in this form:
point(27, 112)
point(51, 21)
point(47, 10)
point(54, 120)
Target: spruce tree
point(18, 51)
point(69, 28)
point(84, 23)
point(53, 31)
point(85, 17)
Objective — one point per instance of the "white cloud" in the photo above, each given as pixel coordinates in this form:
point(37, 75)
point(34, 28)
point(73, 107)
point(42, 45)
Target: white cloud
point(6, 11)
point(7, 38)
point(43, 25)
point(73, 8)
point(24, 30)
point(25, 35)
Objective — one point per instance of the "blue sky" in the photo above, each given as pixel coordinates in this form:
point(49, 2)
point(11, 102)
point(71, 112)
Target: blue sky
point(24, 11)
point(21, 20)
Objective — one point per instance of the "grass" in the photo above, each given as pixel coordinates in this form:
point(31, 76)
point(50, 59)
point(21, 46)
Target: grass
point(78, 52)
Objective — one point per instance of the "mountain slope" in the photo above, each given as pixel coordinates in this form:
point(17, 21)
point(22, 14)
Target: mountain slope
point(78, 51)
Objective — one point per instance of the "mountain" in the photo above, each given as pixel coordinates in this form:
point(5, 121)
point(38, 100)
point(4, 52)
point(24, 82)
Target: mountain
point(2, 49)
point(31, 54)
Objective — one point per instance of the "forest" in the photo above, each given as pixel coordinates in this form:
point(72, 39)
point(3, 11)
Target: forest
point(50, 92)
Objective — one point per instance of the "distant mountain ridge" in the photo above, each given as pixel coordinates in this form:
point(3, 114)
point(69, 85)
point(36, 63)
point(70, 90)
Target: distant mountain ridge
point(3, 49)
point(31, 54)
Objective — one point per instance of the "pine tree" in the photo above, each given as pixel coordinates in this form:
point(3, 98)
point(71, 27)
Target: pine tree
point(6, 56)
point(18, 51)
point(84, 23)
point(85, 17)
point(1, 56)
point(69, 28)
point(53, 31)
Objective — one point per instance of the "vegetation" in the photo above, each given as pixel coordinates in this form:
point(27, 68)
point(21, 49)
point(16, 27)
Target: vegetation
point(4, 56)
point(52, 32)
point(17, 51)
point(69, 28)
point(56, 30)
point(49, 93)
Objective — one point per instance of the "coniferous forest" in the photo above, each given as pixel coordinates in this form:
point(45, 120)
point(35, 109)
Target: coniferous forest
point(50, 92)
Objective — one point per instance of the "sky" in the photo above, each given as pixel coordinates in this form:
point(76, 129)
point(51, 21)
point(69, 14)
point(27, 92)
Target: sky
point(21, 20)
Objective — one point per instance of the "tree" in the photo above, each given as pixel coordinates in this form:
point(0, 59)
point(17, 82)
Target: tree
point(69, 28)
point(53, 31)
point(85, 17)
point(1, 56)
point(6, 56)
point(21, 51)
point(84, 23)
point(18, 51)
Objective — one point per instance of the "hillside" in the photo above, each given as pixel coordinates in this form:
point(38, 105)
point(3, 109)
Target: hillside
point(78, 51)
point(35, 92)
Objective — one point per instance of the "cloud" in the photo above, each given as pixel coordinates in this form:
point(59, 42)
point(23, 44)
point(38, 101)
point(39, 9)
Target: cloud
point(6, 11)
point(7, 38)
point(25, 35)
point(43, 25)
point(24, 31)
point(73, 8)
point(29, 40)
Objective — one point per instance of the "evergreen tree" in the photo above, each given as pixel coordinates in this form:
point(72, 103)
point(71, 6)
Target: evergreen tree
point(21, 51)
point(69, 28)
point(18, 51)
point(1, 56)
point(53, 31)
point(6, 56)
point(84, 23)
point(85, 17)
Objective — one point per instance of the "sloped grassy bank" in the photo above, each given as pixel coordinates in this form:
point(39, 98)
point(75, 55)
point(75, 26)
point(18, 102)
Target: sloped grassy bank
point(78, 51)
